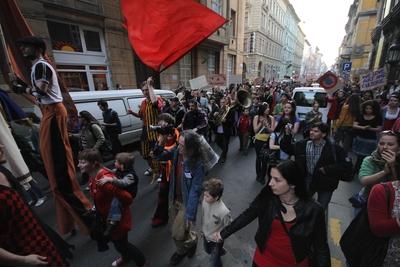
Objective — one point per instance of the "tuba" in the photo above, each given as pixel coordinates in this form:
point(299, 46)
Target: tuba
point(243, 98)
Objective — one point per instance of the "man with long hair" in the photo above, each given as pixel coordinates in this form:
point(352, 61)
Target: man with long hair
point(191, 159)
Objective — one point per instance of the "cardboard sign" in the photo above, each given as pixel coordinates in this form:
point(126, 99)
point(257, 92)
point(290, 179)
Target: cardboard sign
point(216, 79)
point(372, 80)
point(198, 83)
point(258, 81)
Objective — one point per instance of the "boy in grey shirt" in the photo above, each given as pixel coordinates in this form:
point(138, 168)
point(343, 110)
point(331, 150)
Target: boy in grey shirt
point(215, 216)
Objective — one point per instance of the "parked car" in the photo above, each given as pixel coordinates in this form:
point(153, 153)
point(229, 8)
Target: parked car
point(304, 98)
point(120, 101)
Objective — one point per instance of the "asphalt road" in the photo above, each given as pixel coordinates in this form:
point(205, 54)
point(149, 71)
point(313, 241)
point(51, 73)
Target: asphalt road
point(238, 174)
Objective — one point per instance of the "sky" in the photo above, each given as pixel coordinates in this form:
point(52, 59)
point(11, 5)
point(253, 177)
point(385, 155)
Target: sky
point(323, 23)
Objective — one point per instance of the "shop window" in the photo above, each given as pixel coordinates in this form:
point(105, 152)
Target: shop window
point(84, 78)
point(75, 81)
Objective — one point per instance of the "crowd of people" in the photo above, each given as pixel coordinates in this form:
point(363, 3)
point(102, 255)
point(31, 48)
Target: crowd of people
point(298, 163)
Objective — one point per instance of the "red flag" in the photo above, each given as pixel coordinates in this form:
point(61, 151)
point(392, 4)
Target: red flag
point(163, 31)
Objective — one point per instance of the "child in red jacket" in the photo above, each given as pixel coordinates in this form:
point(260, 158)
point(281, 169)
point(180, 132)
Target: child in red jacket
point(243, 126)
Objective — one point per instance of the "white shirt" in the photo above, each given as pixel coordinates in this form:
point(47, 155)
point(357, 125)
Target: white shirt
point(53, 94)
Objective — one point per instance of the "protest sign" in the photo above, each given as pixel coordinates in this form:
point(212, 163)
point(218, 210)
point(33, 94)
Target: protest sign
point(373, 80)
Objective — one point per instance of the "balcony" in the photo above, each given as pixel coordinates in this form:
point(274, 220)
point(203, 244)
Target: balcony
point(80, 6)
point(346, 52)
point(220, 36)
point(392, 19)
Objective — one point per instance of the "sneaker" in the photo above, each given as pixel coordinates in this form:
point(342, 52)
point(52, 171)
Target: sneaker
point(176, 258)
point(148, 172)
point(41, 201)
point(118, 262)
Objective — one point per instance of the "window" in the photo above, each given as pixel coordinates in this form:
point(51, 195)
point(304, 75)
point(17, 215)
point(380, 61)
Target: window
point(231, 66)
point(263, 19)
point(306, 99)
point(92, 40)
point(185, 65)
point(252, 42)
point(246, 19)
point(216, 5)
point(211, 63)
point(74, 38)
point(65, 37)
point(79, 53)
point(232, 27)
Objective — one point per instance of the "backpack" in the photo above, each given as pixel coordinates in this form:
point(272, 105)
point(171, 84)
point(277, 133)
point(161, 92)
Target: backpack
point(106, 147)
point(119, 126)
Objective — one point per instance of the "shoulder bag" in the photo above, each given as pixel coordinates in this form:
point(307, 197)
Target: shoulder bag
point(360, 246)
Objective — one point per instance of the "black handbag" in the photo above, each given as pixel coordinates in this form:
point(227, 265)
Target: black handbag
point(360, 246)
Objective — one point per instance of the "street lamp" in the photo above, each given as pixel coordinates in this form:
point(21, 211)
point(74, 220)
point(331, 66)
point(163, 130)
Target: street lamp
point(393, 56)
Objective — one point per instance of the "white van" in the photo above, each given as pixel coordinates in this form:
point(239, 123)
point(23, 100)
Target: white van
point(305, 96)
point(120, 101)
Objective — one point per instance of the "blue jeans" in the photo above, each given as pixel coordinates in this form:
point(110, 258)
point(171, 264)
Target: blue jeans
point(114, 214)
point(215, 250)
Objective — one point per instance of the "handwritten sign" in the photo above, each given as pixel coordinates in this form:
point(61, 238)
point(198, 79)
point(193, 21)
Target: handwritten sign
point(198, 83)
point(216, 79)
point(372, 80)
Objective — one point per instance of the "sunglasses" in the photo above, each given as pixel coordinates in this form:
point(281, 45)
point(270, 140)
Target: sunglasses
point(389, 132)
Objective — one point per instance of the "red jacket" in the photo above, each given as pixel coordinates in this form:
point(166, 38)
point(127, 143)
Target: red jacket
point(379, 214)
point(102, 196)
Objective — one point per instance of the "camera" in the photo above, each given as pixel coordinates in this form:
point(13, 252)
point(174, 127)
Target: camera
point(164, 130)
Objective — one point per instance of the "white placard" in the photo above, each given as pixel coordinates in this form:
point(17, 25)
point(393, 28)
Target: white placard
point(198, 83)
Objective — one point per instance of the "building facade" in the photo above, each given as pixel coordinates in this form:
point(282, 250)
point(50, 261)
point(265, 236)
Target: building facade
point(386, 40)
point(293, 44)
point(92, 52)
point(357, 45)
point(273, 42)
point(85, 40)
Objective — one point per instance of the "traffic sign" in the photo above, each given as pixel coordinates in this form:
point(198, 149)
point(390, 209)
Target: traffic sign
point(330, 82)
point(346, 67)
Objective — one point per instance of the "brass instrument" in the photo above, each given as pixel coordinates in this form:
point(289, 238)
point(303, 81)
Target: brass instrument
point(221, 116)
point(243, 99)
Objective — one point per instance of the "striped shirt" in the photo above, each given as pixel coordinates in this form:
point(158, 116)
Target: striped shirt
point(313, 153)
point(149, 113)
